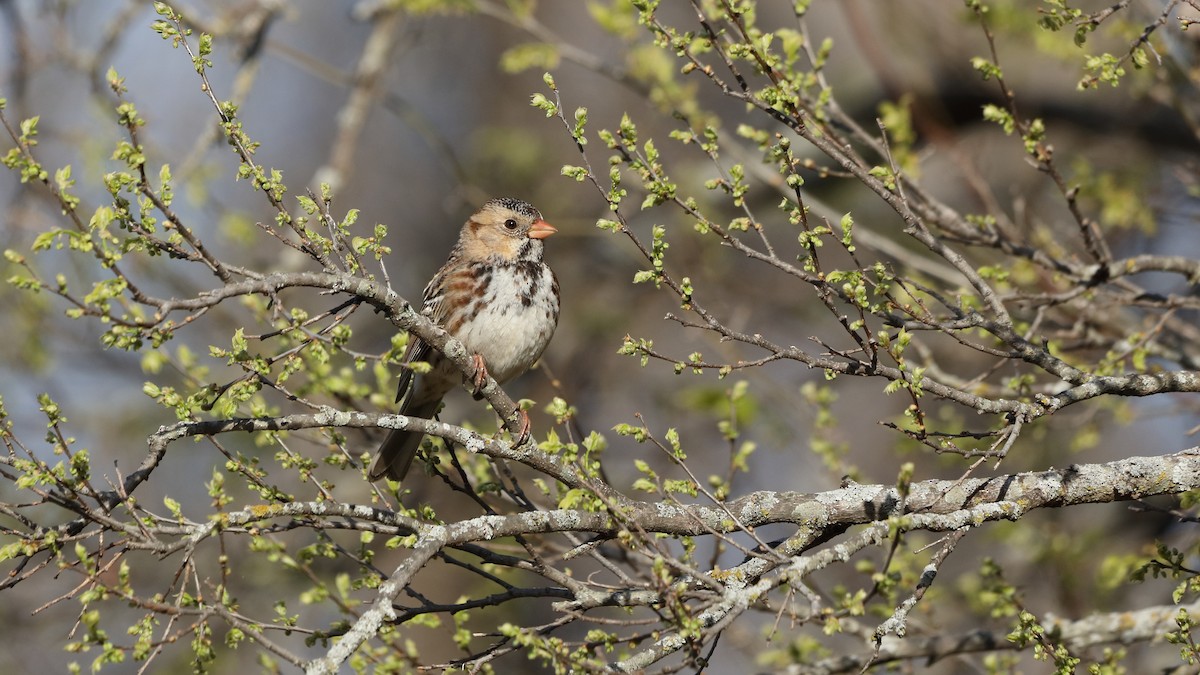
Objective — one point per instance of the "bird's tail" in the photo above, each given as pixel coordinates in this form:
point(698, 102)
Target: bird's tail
point(400, 447)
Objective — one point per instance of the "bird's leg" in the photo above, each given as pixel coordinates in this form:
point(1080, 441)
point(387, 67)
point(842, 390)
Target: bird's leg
point(523, 434)
point(523, 429)
point(480, 378)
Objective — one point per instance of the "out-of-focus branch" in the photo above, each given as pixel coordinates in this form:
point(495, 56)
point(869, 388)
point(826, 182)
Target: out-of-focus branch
point(367, 83)
point(1109, 628)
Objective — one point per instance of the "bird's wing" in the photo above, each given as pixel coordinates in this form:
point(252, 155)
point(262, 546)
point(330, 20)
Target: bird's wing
point(432, 307)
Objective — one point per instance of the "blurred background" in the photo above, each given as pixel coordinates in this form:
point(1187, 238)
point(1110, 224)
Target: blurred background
point(416, 118)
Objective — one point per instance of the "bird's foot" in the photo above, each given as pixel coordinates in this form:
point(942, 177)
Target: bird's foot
point(480, 378)
point(523, 433)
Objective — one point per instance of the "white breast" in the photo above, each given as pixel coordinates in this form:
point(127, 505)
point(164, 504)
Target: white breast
point(507, 332)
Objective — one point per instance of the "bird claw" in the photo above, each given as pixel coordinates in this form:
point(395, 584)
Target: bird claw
point(523, 429)
point(480, 378)
point(523, 434)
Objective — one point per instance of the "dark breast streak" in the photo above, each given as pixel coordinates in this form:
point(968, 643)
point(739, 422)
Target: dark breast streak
point(467, 289)
point(529, 275)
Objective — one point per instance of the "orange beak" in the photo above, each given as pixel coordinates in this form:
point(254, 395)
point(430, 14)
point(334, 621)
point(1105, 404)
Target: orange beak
point(541, 229)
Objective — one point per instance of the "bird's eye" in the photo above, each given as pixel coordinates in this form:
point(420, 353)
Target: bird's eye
point(510, 224)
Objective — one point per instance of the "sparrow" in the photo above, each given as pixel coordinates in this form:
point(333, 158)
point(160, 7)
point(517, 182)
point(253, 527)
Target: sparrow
point(497, 297)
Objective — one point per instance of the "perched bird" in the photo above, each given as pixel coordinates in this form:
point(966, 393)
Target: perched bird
point(497, 297)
